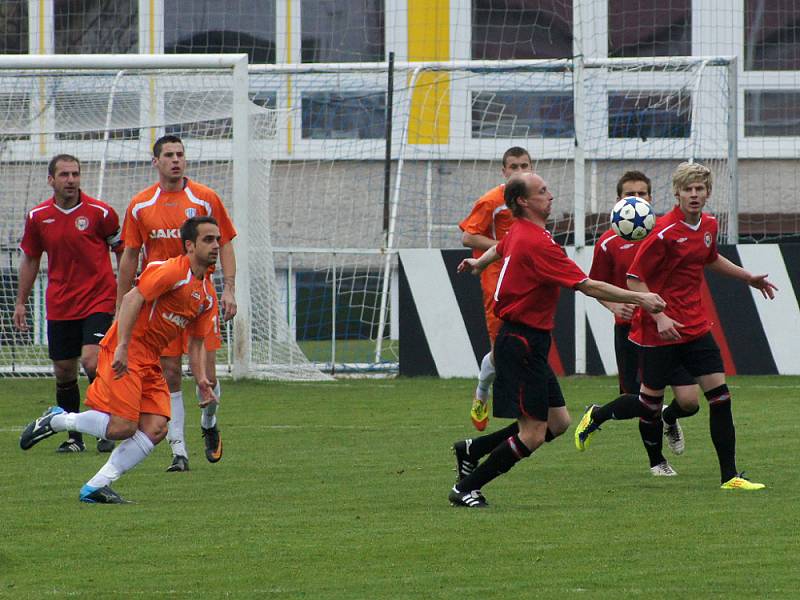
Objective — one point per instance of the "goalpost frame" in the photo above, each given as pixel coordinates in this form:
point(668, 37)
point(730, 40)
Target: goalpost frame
point(238, 65)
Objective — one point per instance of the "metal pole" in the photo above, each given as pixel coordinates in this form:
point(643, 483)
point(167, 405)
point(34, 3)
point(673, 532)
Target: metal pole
point(733, 152)
point(387, 161)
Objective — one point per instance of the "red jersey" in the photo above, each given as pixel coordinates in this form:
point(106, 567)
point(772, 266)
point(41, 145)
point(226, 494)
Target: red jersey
point(80, 280)
point(613, 256)
point(154, 218)
point(671, 261)
point(534, 270)
point(175, 300)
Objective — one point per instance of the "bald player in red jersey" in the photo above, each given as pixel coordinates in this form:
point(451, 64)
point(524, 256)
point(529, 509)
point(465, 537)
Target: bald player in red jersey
point(487, 224)
point(671, 262)
point(534, 269)
point(613, 256)
point(76, 232)
point(129, 398)
point(152, 222)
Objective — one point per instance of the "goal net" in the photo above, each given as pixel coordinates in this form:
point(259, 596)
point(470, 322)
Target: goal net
point(339, 221)
point(108, 112)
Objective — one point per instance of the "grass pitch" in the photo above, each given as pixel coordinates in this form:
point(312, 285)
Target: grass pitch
point(339, 491)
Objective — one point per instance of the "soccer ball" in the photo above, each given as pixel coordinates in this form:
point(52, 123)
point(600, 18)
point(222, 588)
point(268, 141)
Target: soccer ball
point(632, 218)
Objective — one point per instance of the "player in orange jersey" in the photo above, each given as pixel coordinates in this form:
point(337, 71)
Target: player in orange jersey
point(151, 225)
point(129, 398)
point(486, 225)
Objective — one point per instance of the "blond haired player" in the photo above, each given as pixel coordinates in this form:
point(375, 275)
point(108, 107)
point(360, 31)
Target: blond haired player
point(129, 398)
point(487, 223)
point(152, 224)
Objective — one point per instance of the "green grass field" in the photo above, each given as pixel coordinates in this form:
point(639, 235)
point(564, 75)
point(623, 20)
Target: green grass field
point(339, 491)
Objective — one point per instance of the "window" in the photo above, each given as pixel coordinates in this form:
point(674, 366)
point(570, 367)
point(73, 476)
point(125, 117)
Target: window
point(519, 114)
point(342, 31)
point(96, 26)
point(344, 115)
point(772, 35)
point(14, 27)
point(649, 114)
point(640, 28)
point(502, 29)
point(772, 113)
point(211, 26)
point(82, 115)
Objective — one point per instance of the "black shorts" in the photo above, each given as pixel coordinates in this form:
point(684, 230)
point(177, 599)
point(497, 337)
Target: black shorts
point(700, 356)
point(525, 383)
point(65, 339)
point(628, 364)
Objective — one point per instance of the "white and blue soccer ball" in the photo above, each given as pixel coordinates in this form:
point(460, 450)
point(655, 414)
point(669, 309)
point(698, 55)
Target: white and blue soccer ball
point(632, 218)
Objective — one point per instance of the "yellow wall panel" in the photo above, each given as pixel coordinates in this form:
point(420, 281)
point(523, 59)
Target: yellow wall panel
point(429, 39)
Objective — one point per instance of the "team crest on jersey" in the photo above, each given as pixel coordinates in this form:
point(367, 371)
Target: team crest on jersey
point(81, 223)
point(196, 295)
point(707, 239)
point(191, 212)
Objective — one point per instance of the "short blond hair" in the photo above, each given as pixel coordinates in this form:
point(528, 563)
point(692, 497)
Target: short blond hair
point(687, 173)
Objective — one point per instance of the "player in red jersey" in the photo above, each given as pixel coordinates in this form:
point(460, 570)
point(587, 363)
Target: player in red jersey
point(76, 232)
point(613, 256)
point(671, 262)
point(534, 268)
point(487, 224)
point(151, 225)
point(129, 399)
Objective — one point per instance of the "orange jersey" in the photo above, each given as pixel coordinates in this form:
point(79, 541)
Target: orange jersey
point(490, 217)
point(175, 301)
point(154, 218)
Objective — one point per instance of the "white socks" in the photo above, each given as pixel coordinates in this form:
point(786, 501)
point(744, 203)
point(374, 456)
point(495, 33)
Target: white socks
point(485, 378)
point(208, 416)
point(92, 422)
point(125, 456)
point(175, 426)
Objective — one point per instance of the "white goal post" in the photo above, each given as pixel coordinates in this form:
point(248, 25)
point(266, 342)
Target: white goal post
point(108, 110)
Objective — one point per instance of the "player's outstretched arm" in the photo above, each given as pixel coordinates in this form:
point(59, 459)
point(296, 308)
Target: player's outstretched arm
point(227, 301)
point(127, 271)
point(28, 268)
point(652, 303)
point(197, 362)
point(477, 265)
point(760, 282)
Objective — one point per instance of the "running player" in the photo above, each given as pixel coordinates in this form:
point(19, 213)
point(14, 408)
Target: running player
point(129, 399)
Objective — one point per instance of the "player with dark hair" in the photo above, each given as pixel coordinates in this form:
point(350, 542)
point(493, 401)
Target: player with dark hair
point(76, 232)
point(612, 258)
point(151, 226)
point(487, 224)
point(129, 399)
point(534, 268)
point(671, 262)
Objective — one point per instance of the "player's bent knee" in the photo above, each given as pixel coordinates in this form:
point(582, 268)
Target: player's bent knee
point(120, 429)
point(154, 427)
